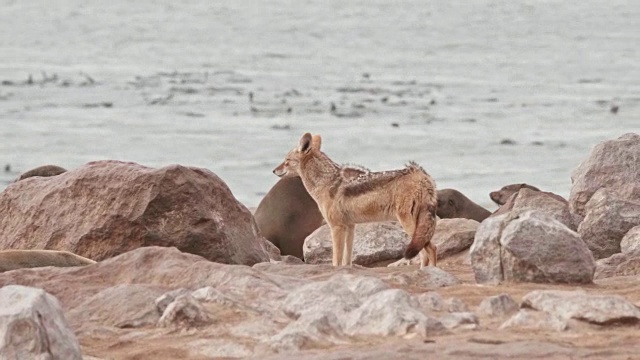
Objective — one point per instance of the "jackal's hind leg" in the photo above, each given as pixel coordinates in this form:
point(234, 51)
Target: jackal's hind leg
point(348, 246)
point(338, 235)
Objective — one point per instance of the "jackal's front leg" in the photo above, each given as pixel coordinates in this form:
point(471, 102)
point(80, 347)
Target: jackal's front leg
point(348, 246)
point(338, 237)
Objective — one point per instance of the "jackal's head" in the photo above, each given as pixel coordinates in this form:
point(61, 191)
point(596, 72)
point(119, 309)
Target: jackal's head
point(291, 164)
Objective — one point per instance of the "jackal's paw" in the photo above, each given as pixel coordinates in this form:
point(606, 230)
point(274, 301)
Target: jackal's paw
point(404, 262)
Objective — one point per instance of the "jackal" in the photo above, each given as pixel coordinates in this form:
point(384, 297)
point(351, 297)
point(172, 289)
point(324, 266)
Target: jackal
point(349, 195)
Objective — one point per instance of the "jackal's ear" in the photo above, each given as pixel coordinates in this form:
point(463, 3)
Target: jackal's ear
point(316, 142)
point(305, 143)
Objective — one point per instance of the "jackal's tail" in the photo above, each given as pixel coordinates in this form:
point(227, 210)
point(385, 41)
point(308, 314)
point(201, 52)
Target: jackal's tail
point(425, 228)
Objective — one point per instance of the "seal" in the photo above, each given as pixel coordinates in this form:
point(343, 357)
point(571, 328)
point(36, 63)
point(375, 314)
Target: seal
point(501, 196)
point(44, 170)
point(287, 215)
point(454, 204)
point(20, 259)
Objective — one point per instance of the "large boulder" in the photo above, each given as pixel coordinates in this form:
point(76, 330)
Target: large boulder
point(546, 202)
point(372, 243)
point(106, 208)
point(32, 326)
point(608, 218)
point(529, 246)
point(453, 236)
point(612, 164)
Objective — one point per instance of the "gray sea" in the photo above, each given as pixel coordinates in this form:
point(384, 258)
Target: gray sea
point(481, 93)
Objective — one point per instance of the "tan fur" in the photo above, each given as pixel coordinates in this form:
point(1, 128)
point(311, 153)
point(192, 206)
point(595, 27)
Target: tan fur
point(19, 259)
point(348, 195)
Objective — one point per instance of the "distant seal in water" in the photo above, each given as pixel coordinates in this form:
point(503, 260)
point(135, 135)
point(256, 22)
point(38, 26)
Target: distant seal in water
point(287, 215)
point(44, 170)
point(453, 204)
point(20, 259)
point(501, 196)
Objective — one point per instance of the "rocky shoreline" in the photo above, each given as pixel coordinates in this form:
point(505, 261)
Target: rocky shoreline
point(183, 272)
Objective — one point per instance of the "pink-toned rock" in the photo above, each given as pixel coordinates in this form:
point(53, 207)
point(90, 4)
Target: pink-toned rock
point(619, 264)
point(106, 208)
point(608, 218)
point(546, 202)
point(630, 243)
point(612, 164)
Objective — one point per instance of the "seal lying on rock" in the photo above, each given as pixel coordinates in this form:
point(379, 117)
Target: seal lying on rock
point(453, 204)
point(501, 196)
point(20, 259)
point(287, 215)
point(44, 170)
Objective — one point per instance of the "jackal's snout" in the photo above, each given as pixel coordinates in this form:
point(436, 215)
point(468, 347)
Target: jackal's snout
point(280, 170)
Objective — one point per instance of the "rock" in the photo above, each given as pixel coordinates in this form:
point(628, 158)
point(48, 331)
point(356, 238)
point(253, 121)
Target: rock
point(373, 242)
point(121, 306)
point(167, 298)
point(529, 246)
point(453, 236)
point(548, 203)
point(429, 276)
point(124, 206)
point(612, 164)
point(271, 249)
point(340, 294)
point(430, 301)
point(33, 326)
point(310, 330)
point(455, 305)
point(498, 306)
point(535, 320)
point(460, 320)
point(597, 309)
point(391, 312)
point(184, 310)
point(617, 265)
point(630, 243)
point(608, 218)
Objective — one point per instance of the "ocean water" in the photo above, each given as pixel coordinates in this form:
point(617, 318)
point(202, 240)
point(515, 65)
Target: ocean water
point(481, 93)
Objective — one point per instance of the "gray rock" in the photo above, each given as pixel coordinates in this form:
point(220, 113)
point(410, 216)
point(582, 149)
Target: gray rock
point(529, 246)
point(460, 320)
point(453, 236)
point(611, 164)
point(498, 305)
point(608, 218)
point(548, 203)
point(455, 305)
point(617, 265)
point(167, 298)
point(430, 301)
point(391, 312)
point(630, 243)
point(598, 309)
point(184, 311)
point(122, 306)
point(373, 242)
point(429, 276)
point(339, 294)
point(535, 320)
point(33, 326)
point(309, 330)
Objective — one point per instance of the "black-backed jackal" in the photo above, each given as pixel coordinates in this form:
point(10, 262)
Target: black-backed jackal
point(348, 195)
